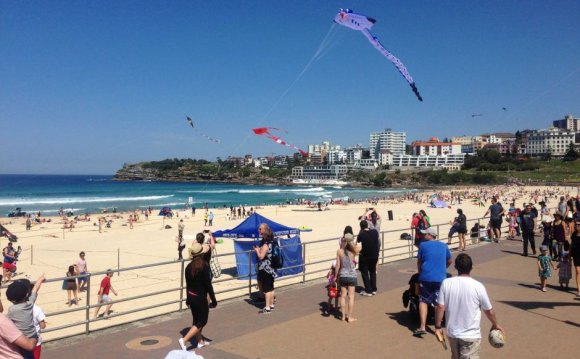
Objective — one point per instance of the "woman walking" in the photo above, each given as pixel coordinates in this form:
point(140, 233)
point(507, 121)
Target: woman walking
point(346, 273)
point(71, 286)
point(461, 229)
point(198, 282)
point(575, 253)
point(266, 273)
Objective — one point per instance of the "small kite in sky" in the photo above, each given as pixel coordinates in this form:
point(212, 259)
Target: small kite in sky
point(477, 115)
point(504, 108)
point(363, 24)
point(265, 131)
point(190, 122)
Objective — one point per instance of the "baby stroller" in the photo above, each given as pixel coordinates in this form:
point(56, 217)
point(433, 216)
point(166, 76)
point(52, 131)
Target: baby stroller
point(411, 301)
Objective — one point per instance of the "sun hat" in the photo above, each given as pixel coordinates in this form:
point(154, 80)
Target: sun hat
point(430, 231)
point(195, 250)
point(543, 248)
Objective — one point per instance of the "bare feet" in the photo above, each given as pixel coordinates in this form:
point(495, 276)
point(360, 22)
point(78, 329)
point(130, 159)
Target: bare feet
point(351, 319)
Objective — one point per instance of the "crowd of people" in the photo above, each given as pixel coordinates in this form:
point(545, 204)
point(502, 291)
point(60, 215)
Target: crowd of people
point(454, 298)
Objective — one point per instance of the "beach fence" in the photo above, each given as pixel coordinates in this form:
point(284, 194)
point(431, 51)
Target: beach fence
point(157, 289)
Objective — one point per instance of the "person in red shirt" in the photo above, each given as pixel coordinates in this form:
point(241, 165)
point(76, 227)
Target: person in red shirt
point(104, 298)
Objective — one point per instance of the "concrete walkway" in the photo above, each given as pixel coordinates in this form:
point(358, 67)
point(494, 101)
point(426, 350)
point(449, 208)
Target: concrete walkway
point(538, 324)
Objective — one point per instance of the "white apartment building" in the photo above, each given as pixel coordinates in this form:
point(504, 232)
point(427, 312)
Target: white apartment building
point(387, 140)
point(319, 172)
point(450, 161)
point(434, 147)
point(555, 141)
point(336, 156)
point(568, 123)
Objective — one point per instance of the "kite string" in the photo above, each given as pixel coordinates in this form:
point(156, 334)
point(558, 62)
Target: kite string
point(317, 55)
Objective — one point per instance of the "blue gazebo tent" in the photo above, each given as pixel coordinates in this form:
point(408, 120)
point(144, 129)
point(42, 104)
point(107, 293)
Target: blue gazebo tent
point(248, 229)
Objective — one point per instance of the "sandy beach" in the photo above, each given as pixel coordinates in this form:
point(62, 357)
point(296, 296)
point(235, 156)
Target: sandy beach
point(50, 249)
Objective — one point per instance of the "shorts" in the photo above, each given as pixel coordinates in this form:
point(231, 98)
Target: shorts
point(266, 281)
point(106, 299)
point(347, 281)
point(452, 231)
point(462, 230)
point(9, 266)
point(464, 348)
point(428, 292)
point(82, 279)
point(495, 223)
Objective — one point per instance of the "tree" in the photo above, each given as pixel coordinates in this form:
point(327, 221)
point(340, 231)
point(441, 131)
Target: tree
point(571, 154)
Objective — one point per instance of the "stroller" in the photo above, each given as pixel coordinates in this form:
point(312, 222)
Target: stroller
point(411, 301)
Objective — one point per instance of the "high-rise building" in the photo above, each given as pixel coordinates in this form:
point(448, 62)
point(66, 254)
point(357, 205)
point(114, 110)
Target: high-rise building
point(387, 140)
point(568, 123)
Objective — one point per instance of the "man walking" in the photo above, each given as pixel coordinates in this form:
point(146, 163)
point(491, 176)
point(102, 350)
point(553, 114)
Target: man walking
point(180, 228)
point(433, 259)
point(83, 270)
point(496, 213)
point(104, 294)
point(368, 257)
point(462, 298)
point(528, 222)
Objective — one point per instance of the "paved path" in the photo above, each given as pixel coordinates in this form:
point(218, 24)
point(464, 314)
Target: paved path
point(538, 325)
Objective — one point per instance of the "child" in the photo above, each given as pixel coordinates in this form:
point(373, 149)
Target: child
point(545, 266)
point(564, 270)
point(332, 287)
point(21, 311)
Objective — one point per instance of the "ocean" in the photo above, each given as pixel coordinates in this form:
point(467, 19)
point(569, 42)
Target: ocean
point(94, 194)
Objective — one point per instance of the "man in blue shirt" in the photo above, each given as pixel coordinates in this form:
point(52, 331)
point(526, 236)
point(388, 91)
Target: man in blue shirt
point(433, 259)
point(528, 222)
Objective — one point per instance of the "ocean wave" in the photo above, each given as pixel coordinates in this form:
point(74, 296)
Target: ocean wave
point(68, 200)
point(250, 191)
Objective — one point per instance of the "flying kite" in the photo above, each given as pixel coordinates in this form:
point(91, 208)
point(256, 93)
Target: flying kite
point(265, 131)
point(190, 122)
point(477, 115)
point(363, 24)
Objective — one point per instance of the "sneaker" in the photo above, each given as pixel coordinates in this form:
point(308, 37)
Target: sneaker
point(182, 344)
point(205, 344)
point(544, 289)
point(272, 308)
point(266, 311)
point(366, 294)
point(374, 293)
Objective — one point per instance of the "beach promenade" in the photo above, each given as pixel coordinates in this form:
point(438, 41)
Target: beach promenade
point(538, 325)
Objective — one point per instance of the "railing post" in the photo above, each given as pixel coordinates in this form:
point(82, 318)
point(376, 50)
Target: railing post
point(304, 263)
point(181, 286)
point(88, 306)
point(382, 247)
point(250, 273)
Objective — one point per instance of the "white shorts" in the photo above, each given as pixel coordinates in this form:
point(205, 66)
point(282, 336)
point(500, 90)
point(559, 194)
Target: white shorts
point(106, 299)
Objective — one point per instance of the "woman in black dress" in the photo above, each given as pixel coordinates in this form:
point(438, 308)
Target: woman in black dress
point(575, 253)
point(198, 282)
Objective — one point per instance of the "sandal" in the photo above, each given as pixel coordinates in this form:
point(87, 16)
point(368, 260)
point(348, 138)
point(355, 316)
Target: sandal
point(419, 333)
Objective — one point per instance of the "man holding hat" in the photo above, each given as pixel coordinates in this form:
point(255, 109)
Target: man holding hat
point(433, 259)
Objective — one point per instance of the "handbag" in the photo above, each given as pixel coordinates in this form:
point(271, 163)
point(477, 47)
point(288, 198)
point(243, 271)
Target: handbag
point(333, 291)
point(214, 264)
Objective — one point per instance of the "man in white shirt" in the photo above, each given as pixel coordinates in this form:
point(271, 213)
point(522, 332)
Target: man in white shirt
point(463, 298)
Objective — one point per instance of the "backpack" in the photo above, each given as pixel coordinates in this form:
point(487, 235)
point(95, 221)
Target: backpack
point(276, 261)
point(421, 224)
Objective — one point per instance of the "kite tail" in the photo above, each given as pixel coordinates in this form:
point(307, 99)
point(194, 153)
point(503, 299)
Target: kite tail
point(416, 92)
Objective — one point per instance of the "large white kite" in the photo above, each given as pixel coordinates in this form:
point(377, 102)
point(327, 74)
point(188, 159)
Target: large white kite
point(363, 24)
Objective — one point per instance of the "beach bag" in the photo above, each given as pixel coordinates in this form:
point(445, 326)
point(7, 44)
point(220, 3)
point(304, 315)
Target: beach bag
point(214, 264)
point(277, 261)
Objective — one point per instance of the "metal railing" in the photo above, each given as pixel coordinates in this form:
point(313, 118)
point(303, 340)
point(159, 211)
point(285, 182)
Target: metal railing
point(313, 267)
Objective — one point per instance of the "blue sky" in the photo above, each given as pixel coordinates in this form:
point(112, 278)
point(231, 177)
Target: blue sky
point(88, 85)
